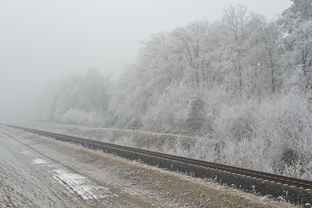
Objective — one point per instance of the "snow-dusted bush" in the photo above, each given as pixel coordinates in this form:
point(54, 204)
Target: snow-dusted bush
point(169, 113)
point(274, 135)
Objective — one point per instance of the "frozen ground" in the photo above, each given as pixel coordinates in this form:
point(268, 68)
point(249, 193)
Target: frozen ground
point(36, 171)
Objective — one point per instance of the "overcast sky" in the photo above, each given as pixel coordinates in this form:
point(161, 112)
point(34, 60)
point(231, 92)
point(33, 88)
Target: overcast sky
point(44, 40)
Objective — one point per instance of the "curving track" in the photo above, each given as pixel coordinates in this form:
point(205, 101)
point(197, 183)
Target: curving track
point(293, 190)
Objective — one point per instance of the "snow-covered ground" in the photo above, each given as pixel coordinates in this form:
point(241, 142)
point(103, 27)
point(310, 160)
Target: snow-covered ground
point(36, 171)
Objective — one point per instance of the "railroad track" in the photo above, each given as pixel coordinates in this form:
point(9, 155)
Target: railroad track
point(293, 190)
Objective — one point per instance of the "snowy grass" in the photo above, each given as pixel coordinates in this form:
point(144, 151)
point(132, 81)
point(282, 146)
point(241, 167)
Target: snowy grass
point(195, 147)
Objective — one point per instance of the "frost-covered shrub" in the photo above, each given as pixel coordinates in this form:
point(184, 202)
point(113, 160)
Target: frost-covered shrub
point(287, 122)
point(197, 115)
point(169, 113)
point(273, 136)
point(236, 121)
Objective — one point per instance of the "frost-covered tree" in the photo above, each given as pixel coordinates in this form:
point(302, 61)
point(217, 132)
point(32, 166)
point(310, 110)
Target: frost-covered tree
point(77, 99)
point(296, 24)
point(236, 18)
point(263, 56)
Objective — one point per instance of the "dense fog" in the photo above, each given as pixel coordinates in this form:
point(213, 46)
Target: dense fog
point(242, 76)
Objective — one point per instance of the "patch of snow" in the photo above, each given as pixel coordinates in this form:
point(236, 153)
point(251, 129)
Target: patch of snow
point(38, 161)
point(27, 153)
point(281, 199)
point(78, 184)
point(266, 197)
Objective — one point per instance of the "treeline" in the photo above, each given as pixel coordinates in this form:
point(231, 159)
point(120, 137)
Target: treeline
point(244, 79)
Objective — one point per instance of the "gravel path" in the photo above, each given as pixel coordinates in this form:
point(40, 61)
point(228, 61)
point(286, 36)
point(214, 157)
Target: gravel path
point(36, 171)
